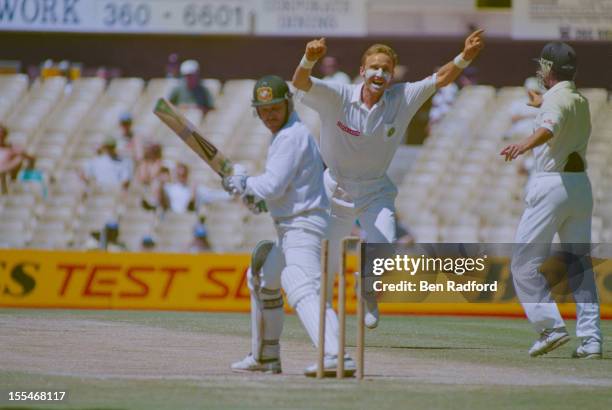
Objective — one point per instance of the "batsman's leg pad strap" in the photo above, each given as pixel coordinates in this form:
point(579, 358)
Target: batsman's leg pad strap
point(276, 303)
point(268, 359)
point(272, 292)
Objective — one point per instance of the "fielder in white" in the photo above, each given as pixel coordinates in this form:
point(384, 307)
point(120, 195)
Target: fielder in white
point(559, 200)
point(292, 187)
point(361, 128)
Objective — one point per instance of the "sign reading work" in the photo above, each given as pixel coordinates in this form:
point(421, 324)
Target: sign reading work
point(311, 17)
point(127, 16)
point(562, 19)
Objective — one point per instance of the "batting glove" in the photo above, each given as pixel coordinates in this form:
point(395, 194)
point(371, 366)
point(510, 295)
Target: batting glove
point(254, 204)
point(235, 184)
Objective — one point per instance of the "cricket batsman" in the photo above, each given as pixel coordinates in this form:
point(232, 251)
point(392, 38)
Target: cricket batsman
point(361, 127)
point(559, 200)
point(292, 188)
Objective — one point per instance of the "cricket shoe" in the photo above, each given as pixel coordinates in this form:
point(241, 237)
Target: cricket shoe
point(549, 340)
point(371, 314)
point(588, 349)
point(250, 364)
point(330, 366)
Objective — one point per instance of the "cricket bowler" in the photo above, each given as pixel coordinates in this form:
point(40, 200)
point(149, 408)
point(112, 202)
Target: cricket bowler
point(559, 200)
point(361, 127)
point(292, 188)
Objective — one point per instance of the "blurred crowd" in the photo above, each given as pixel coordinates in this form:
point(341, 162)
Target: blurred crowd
point(127, 158)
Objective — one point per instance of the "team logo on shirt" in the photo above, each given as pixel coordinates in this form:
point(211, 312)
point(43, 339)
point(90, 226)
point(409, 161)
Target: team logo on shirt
point(390, 132)
point(264, 94)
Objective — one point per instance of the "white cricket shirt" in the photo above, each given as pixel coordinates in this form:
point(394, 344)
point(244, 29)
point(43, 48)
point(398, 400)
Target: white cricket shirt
point(107, 172)
point(179, 195)
point(293, 179)
point(565, 113)
point(358, 143)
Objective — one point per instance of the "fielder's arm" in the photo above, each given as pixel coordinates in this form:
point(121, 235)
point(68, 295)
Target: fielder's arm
point(539, 137)
point(315, 49)
point(448, 73)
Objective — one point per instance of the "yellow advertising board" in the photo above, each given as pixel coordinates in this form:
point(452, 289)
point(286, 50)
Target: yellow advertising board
point(102, 280)
point(203, 282)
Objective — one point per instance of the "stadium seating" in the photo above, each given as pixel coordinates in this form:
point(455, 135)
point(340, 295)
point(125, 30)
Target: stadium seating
point(457, 189)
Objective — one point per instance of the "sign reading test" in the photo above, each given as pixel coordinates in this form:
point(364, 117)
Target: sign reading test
point(123, 281)
point(127, 16)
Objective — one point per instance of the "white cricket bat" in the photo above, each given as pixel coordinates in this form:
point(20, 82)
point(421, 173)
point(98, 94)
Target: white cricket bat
point(177, 122)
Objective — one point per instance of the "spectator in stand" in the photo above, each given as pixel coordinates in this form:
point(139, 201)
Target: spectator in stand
point(48, 69)
point(64, 70)
point(149, 168)
point(148, 244)
point(103, 73)
point(107, 170)
point(11, 158)
point(178, 196)
point(331, 72)
point(154, 193)
point(173, 66)
point(199, 243)
point(30, 175)
point(107, 239)
point(191, 91)
point(130, 144)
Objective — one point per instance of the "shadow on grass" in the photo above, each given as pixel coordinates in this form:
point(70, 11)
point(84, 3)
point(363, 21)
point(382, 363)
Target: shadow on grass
point(427, 347)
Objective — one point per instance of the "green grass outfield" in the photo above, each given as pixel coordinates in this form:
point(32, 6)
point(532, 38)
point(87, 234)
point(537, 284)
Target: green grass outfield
point(168, 360)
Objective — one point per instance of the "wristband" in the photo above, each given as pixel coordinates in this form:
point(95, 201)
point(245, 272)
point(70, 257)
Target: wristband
point(460, 62)
point(306, 63)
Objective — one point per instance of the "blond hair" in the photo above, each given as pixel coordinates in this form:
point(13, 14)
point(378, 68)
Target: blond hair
point(380, 49)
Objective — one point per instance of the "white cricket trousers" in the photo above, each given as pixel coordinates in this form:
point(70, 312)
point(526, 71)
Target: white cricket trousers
point(557, 202)
point(372, 203)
